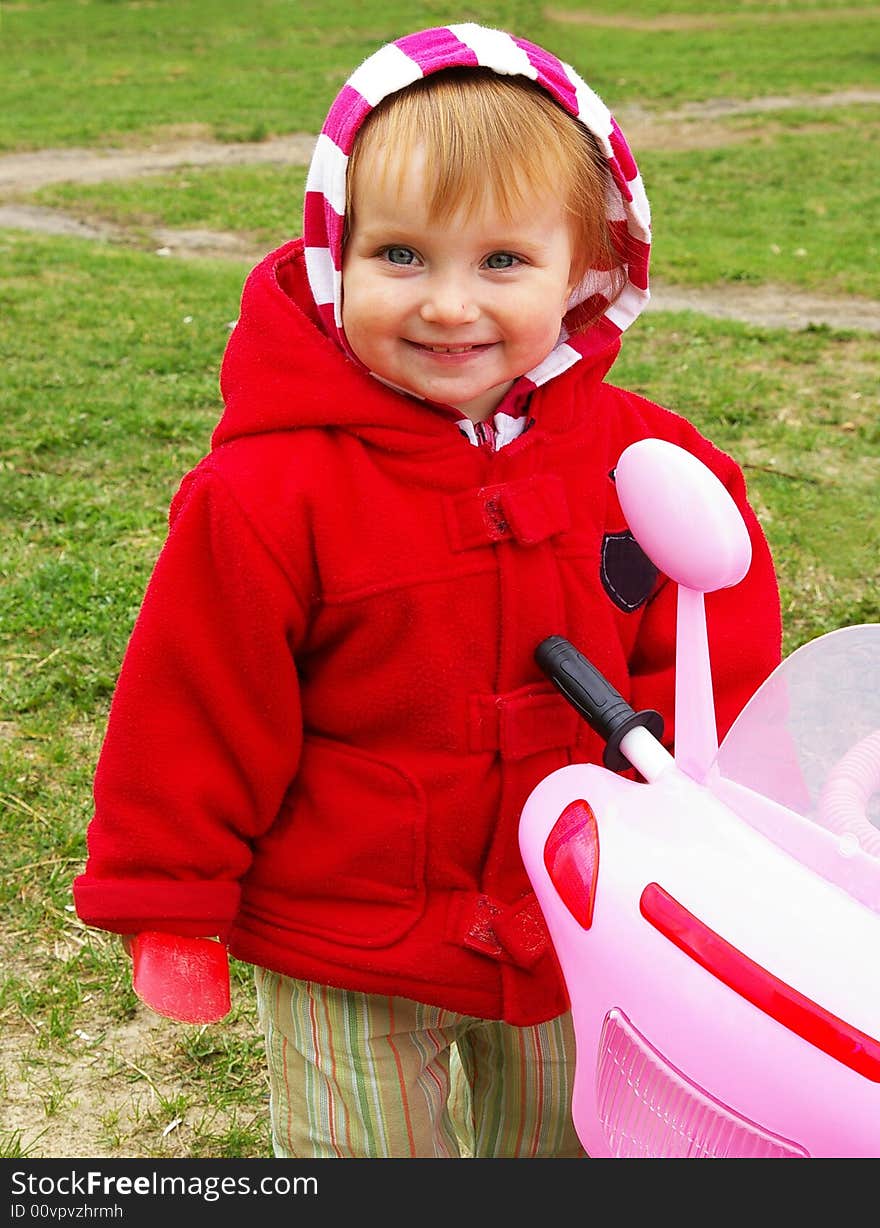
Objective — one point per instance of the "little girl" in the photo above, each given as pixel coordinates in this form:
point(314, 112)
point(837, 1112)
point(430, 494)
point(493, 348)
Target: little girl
point(329, 715)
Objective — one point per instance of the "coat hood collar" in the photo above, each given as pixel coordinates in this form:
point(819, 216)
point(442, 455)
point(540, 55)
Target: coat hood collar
point(281, 371)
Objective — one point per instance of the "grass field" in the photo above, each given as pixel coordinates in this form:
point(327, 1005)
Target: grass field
point(109, 391)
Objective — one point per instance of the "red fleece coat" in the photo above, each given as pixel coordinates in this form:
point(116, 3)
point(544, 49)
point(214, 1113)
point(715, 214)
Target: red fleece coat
point(329, 715)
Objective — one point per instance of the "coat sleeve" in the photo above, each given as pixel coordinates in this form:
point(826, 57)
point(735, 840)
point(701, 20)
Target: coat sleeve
point(204, 732)
point(744, 623)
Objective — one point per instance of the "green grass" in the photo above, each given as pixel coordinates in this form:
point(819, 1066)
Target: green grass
point(98, 71)
point(109, 392)
point(95, 440)
point(752, 53)
point(101, 71)
point(809, 197)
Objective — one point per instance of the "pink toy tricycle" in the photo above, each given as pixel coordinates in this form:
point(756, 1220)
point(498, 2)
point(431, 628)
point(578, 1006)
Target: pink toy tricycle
point(718, 922)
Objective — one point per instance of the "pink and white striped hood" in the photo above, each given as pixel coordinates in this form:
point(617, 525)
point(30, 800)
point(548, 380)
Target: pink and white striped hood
point(400, 63)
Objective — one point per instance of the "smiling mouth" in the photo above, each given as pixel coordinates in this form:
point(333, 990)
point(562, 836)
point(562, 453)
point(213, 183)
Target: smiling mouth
point(452, 349)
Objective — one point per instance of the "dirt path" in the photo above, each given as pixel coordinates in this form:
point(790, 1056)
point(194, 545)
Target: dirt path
point(696, 125)
point(770, 306)
point(25, 172)
point(693, 126)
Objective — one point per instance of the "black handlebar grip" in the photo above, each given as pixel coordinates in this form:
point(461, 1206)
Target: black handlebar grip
point(591, 694)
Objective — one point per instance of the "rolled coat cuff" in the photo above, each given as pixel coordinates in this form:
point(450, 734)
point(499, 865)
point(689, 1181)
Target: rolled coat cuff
point(190, 908)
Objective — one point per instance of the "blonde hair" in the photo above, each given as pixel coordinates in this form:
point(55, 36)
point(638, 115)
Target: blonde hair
point(505, 136)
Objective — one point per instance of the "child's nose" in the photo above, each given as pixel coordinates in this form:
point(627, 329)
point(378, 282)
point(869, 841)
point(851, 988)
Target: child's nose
point(447, 301)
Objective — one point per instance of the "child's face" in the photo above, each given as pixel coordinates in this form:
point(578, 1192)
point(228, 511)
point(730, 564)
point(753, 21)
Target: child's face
point(455, 310)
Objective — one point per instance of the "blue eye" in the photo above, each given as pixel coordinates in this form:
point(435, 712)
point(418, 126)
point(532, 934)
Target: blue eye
point(501, 260)
point(400, 255)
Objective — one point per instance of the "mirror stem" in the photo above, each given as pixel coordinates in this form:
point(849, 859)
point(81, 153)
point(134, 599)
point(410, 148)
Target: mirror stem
point(696, 733)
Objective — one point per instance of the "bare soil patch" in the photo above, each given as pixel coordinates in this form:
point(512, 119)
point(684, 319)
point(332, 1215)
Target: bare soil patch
point(106, 1087)
point(713, 124)
point(770, 306)
point(108, 1099)
point(54, 222)
point(63, 1108)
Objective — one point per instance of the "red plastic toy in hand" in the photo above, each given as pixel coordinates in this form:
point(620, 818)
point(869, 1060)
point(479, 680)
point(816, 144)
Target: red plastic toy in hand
point(186, 979)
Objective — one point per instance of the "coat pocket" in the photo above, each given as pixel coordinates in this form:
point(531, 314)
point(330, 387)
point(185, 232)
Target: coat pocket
point(345, 859)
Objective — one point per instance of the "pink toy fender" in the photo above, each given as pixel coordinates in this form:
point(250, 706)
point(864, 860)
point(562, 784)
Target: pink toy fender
point(717, 923)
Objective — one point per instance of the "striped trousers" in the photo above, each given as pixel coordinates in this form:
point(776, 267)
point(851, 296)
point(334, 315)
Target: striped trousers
point(364, 1076)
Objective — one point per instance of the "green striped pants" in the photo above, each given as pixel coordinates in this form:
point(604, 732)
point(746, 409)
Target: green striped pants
point(360, 1076)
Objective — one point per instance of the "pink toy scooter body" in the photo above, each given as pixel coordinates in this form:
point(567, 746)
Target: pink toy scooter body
point(717, 924)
